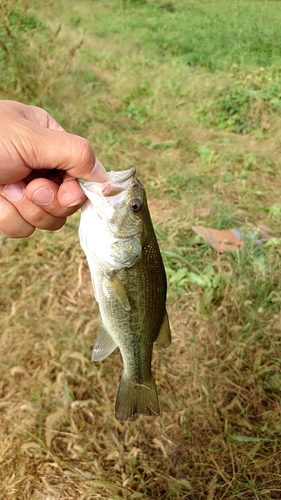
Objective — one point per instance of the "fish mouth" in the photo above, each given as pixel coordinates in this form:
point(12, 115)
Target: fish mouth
point(115, 183)
point(122, 176)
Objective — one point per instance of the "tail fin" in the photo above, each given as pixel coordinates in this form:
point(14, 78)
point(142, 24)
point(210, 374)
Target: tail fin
point(133, 398)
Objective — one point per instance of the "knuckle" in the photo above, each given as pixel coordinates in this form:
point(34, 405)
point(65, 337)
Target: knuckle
point(35, 215)
point(41, 218)
point(86, 152)
point(45, 220)
point(12, 224)
point(25, 232)
point(58, 223)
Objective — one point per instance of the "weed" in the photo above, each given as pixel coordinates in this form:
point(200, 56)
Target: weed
point(25, 42)
point(248, 104)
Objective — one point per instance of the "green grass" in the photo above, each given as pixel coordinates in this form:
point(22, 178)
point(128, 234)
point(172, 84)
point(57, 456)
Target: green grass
point(189, 93)
point(212, 35)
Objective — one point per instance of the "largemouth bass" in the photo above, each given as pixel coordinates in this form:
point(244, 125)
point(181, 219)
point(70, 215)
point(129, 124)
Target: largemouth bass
point(129, 281)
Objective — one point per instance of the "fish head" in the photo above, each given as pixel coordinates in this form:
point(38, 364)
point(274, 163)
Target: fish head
point(118, 202)
point(115, 211)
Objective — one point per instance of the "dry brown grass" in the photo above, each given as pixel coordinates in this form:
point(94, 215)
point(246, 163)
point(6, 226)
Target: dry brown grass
point(220, 425)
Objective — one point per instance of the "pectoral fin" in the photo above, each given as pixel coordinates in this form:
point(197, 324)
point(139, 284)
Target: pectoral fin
point(104, 345)
point(119, 289)
point(164, 337)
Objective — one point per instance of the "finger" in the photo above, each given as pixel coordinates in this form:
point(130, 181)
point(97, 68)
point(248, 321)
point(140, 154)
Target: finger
point(32, 213)
point(12, 223)
point(32, 139)
point(67, 190)
point(53, 149)
point(42, 118)
point(46, 193)
point(32, 113)
point(29, 147)
point(70, 194)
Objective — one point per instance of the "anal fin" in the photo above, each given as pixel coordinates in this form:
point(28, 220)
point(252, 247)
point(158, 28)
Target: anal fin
point(104, 345)
point(164, 336)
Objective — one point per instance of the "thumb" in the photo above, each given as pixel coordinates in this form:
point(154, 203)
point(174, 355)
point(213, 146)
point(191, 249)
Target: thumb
point(45, 148)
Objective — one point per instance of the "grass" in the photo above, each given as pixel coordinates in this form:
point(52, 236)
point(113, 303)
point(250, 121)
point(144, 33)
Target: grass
point(190, 95)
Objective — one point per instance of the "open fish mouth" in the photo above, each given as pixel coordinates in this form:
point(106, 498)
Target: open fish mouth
point(104, 198)
point(115, 183)
point(122, 176)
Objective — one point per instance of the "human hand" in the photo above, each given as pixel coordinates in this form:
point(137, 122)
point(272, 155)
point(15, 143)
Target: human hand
point(39, 164)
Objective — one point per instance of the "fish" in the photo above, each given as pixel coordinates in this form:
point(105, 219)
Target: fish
point(129, 282)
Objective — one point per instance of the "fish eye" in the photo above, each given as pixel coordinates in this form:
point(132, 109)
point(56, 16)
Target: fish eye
point(136, 206)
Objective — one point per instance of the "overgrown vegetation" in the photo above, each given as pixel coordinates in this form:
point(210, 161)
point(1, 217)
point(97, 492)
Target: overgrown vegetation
point(28, 58)
point(249, 103)
point(190, 94)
